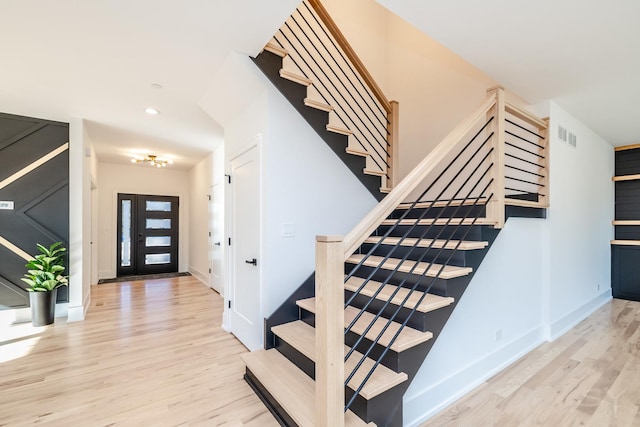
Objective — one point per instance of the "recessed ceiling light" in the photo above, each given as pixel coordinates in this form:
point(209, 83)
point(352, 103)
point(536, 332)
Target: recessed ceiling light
point(156, 85)
point(152, 111)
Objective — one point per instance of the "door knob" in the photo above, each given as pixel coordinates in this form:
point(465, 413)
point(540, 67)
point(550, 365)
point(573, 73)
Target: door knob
point(217, 243)
point(252, 262)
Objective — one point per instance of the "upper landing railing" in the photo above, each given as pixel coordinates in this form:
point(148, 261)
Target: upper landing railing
point(321, 53)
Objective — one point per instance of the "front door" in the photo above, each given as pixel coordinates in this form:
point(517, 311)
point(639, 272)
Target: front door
point(147, 234)
point(245, 299)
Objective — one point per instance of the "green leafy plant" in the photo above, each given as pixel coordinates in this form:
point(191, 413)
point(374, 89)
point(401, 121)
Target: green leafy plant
point(44, 272)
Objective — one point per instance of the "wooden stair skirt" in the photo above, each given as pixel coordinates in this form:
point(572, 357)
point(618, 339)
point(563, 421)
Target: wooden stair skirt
point(283, 375)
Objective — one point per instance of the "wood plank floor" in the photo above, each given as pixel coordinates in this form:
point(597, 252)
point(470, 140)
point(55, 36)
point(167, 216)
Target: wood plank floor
point(153, 354)
point(148, 354)
point(588, 377)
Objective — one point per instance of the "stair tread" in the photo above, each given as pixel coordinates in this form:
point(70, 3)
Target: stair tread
point(319, 105)
point(429, 303)
point(291, 387)
point(408, 338)
point(302, 337)
point(275, 49)
point(443, 203)
point(464, 245)
point(372, 172)
point(441, 221)
point(338, 129)
point(385, 189)
point(297, 78)
point(448, 272)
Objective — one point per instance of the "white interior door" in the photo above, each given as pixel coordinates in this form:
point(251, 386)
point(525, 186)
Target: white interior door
point(216, 237)
point(246, 309)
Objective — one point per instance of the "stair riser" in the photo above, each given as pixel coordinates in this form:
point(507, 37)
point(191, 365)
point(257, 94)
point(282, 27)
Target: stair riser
point(427, 284)
point(272, 404)
point(435, 255)
point(417, 321)
point(443, 212)
point(627, 232)
point(462, 232)
point(375, 409)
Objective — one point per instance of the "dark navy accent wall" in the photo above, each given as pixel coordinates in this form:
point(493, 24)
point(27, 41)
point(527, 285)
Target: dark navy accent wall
point(40, 198)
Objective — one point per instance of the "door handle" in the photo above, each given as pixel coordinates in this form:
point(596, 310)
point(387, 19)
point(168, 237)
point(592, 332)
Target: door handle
point(217, 243)
point(252, 262)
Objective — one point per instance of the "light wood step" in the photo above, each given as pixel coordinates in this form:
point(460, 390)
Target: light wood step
point(318, 105)
point(357, 152)
point(338, 129)
point(626, 242)
point(302, 337)
point(465, 245)
point(441, 221)
point(626, 178)
point(448, 272)
point(290, 387)
point(374, 173)
point(443, 203)
point(297, 78)
point(385, 189)
point(429, 303)
point(275, 49)
point(408, 338)
point(626, 222)
point(524, 203)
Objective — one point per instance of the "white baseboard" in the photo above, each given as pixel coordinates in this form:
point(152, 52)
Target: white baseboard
point(560, 327)
point(426, 403)
point(77, 313)
point(204, 278)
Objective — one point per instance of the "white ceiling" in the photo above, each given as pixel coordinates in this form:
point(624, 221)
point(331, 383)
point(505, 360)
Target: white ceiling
point(584, 54)
point(97, 60)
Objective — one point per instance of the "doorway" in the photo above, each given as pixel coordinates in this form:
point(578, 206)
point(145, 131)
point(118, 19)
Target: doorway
point(147, 234)
point(216, 237)
point(245, 299)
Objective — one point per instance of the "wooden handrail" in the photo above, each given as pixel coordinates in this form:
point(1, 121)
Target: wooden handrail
point(351, 54)
point(525, 116)
point(400, 192)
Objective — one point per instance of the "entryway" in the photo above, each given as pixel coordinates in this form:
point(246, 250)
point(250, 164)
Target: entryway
point(147, 234)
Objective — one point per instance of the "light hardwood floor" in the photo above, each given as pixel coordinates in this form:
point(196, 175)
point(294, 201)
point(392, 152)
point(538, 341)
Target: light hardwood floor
point(153, 354)
point(148, 354)
point(588, 377)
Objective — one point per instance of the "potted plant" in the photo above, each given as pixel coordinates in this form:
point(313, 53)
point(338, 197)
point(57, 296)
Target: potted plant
point(44, 277)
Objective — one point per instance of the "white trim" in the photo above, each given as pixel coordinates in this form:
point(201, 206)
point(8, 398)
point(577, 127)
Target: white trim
point(561, 326)
point(429, 402)
point(78, 313)
point(204, 278)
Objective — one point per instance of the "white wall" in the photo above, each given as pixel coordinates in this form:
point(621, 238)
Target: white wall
point(200, 181)
point(137, 179)
point(539, 278)
point(579, 225)
point(81, 167)
point(304, 183)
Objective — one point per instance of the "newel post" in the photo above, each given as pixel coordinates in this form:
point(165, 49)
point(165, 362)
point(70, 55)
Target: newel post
point(495, 208)
point(329, 331)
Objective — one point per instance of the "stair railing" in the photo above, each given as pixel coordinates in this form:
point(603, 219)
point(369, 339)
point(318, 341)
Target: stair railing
point(321, 53)
point(472, 171)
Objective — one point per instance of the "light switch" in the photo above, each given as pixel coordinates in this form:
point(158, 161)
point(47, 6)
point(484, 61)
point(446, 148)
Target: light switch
point(288, 230)
point(6, 205)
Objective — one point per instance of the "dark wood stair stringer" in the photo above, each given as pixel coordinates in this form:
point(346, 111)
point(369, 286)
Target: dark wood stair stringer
point(271, 64)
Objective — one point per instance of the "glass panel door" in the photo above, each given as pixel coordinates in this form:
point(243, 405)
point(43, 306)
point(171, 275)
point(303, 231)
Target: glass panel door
point(147, 234)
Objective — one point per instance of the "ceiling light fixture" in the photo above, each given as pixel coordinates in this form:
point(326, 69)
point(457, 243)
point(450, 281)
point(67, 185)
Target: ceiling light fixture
point(152, 160)
point(151, 111)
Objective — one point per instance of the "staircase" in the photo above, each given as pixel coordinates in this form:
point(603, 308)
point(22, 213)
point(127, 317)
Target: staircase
point(353, 348)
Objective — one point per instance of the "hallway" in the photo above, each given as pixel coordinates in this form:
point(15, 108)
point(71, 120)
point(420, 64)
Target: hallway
point(148, 353)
